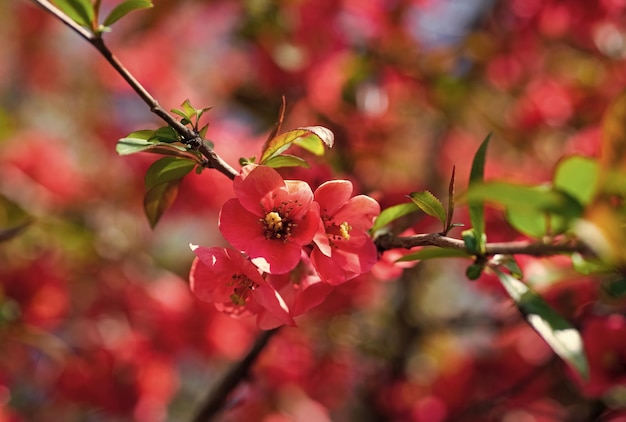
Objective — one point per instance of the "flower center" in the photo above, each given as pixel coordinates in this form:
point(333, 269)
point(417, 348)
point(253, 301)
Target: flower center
point(242, 287)
point(344, 230)
point(336, 232)
point(273, 221)
point(276, 227)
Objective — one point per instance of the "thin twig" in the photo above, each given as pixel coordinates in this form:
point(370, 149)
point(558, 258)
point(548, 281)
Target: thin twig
point(212, 160)
point(216, 399)
point(388, 241)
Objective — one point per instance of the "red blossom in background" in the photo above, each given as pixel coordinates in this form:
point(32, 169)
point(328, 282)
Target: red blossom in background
point(271, 219)
point(343, 248)
point(90, 328)
point(226, 278)
point(605, 343)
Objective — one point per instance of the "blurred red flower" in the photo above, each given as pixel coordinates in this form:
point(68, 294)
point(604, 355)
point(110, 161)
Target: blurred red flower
point(605, 344)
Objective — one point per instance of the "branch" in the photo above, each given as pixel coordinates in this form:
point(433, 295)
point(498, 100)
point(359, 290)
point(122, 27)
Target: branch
point(216, 399)
point(388, 241)
point(212, 160)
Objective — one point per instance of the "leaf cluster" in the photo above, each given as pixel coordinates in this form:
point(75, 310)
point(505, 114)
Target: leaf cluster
point(165, 175)
point(85, 12)
point(537, 211)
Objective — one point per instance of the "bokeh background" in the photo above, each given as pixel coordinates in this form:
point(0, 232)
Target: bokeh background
point(97, 322)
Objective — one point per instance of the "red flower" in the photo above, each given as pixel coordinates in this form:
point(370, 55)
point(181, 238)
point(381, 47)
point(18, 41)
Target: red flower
point(227, 279)
point(301, 288)
point(271, 218)
point(343, 249)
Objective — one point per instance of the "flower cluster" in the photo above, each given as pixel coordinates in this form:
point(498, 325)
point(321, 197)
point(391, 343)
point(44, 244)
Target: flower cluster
point(292, 246)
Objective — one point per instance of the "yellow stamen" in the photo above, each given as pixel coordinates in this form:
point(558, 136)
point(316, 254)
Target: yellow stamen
point(344, 230)
point(273, 221)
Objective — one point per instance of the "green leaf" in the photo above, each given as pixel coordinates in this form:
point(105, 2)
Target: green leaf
point(393, 213)
point(508, 262)
point(312, 143)
point(174, 151)
point(476, 205)
point(166, 170)
point(474, 271)
point(323, 134)
point(435, 252)
point(472, 244)
point(145, 141)
point(126, 146)
point(80, 11)
point(135, 142)
point(181, 114)
point(306, 137)
point(589, 266)
point(286, 160)
point(450, 211)
point(166, 134)
point(615, 288)
point(526, 198)
point(560, 335)
point(535, 223)
point(187, 112)
point(201, 111)
point(429, 203)
point(158, 199)
point(191, 116)
point(144, 134)
point(189, 109)
point(125, 8)
point(578, 176)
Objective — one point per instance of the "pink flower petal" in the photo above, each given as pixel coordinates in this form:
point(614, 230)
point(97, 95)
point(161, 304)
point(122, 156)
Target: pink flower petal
point(301, 288)
point(254, 183)
point(306, 227)
point(267, 321)
point(300, 198)
point(238, 226)
point(329, 270)
point(274, 256)
point(348, 260)
point(218, 274)
point(270, 300)
point(236, 311)
point(332, 195)
point(359, 212)
point(357, 257)
point(313, 293)
point(321, 239)
point(211, 274)
point(199, 275)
